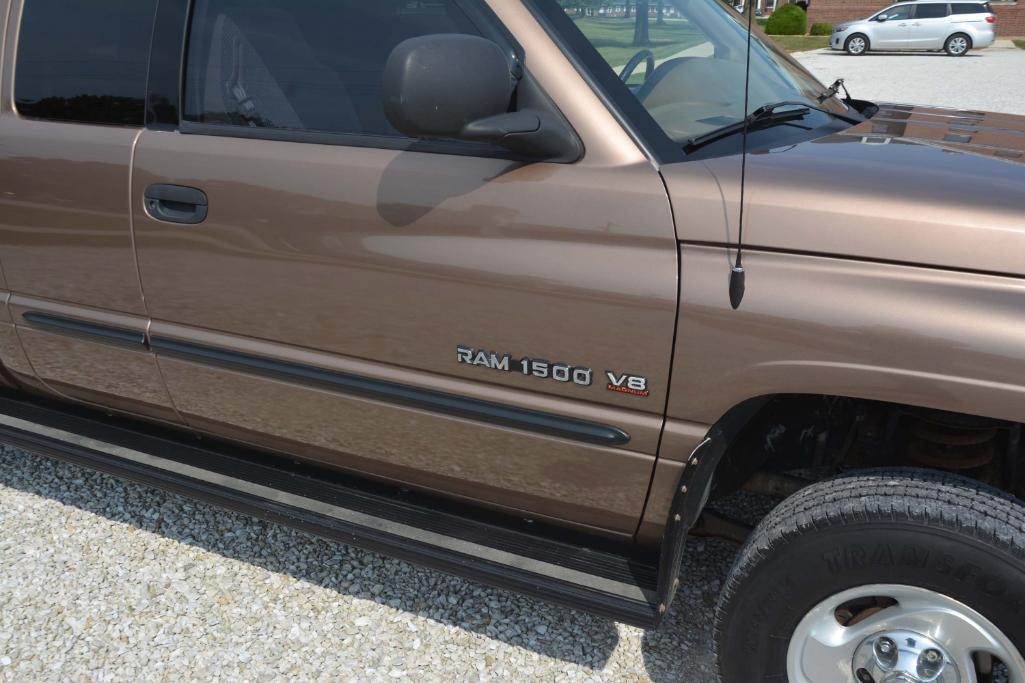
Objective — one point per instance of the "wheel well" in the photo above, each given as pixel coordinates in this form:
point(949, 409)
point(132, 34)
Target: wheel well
point(825, 435)
point(868, 41)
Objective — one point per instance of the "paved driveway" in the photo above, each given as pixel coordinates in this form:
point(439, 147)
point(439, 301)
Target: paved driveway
point(988, 80)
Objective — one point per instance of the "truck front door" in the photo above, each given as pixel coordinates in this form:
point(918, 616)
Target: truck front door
point(430, 313)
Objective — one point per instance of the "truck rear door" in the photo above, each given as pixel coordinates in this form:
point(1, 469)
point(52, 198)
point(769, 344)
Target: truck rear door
point(72, 110)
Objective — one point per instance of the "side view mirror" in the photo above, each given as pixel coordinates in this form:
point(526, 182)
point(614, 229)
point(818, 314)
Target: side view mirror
point(453, 86)
point(881, 17)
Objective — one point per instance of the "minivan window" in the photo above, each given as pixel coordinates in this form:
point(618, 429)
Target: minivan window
point(84, 61)
point(931, 11)
point(302, 65)
point(968, 8)
point(897, 13)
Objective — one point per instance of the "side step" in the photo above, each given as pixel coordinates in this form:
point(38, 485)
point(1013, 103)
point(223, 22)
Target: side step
point(587, 574)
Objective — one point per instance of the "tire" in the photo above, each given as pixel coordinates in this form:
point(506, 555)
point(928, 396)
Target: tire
point(905, 537)
point(856, 44)
point(957, 45)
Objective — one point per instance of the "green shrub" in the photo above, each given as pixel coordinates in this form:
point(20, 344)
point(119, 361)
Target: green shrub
point(788, 20)
point(821, 28)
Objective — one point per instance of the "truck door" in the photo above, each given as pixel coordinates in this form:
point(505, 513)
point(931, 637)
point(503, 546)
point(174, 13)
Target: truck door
point(429, 313)
point(77, 72)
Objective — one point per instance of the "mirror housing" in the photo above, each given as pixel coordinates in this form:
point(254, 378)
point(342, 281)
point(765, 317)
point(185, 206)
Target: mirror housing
point(454, 86)
point(881, 17)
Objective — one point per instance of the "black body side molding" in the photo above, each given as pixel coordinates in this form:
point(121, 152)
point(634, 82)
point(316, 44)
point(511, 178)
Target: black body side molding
point(103, 333)
point(436, 401)
point(388, 392)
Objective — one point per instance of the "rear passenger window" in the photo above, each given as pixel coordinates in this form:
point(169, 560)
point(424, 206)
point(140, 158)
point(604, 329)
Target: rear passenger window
point(968, 8)
point(930, 11)
point(310, 65)
point(83, 60)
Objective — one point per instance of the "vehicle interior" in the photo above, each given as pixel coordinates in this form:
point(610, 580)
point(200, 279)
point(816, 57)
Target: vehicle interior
point(272, 65)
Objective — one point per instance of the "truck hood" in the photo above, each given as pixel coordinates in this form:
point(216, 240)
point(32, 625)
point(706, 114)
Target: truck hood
point(915, 185)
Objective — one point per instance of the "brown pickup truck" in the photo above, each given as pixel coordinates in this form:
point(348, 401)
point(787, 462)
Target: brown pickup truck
point(456, 281)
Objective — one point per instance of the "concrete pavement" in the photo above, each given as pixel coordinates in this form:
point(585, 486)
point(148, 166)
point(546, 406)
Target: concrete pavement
point(987, 80)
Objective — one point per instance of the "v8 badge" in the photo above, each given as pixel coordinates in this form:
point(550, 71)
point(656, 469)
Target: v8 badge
point(635, 385)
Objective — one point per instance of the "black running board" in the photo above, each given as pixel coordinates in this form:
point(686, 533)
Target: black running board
point(362, 514)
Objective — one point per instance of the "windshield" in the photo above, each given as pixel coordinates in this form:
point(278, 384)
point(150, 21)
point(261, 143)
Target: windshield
point(685, 61)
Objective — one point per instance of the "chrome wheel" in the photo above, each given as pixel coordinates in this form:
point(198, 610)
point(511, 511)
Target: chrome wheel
point(958, 45)
point(898, 634)
point(856, 45)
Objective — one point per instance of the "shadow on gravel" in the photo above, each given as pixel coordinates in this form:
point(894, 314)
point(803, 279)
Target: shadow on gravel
point(549, 630)
point(680, 650)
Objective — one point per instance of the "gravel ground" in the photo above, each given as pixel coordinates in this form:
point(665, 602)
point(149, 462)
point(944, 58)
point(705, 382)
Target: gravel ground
point(102, 580)
point(987, 80)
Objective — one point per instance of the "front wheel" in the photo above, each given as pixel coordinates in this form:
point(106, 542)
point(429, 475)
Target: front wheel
point(884, 576)
point(856, 44)
point(957, 45)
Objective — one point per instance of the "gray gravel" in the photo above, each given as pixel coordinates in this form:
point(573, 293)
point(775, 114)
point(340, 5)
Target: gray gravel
point(102, 580)
point(987, 80)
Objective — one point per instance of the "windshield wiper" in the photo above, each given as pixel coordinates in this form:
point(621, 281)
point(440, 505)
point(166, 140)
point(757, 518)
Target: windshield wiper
point(764, 114)
point(833, 90)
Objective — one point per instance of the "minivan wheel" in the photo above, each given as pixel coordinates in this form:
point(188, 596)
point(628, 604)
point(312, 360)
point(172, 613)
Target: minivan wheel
point(957, 45)
point(881, 576)
point(856, 44)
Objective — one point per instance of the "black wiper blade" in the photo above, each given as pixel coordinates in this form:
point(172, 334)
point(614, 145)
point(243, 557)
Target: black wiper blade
point(764, 114)
point(757, 116)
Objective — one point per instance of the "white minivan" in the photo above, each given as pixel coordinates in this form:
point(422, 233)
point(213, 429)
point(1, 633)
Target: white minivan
point(955, 27)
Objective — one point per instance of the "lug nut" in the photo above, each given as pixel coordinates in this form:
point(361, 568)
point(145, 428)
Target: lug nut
point(886, 652)
point(930, 664)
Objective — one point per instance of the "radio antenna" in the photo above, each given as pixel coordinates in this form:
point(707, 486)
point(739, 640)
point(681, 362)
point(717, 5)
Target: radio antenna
point(737, 271)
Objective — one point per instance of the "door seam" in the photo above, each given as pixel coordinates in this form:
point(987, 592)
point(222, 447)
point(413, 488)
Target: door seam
point(138, 279)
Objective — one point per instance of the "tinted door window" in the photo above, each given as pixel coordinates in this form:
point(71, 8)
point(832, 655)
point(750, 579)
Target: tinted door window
point(930, 11)
point(311, 65)
point(83, 60)
point(968, 8)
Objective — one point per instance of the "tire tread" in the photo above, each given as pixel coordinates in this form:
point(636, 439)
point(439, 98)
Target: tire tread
point(925, 497)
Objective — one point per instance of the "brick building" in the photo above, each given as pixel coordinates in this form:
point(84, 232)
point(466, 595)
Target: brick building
point(1010, 15)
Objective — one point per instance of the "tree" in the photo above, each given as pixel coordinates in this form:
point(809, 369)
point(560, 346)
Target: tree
point(661, 12)
point(627, 13)
point(642, 37)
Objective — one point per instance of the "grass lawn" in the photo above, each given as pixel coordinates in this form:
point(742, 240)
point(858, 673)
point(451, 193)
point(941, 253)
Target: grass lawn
point(801, 43)
point(1020, 42)
point(613, 37)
